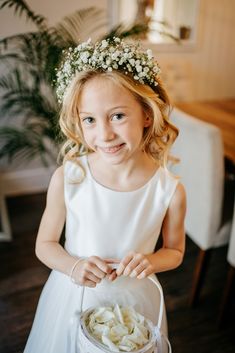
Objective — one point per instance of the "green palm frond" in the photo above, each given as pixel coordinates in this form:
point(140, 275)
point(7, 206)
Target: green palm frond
point(38, 51)
point(25, 144)
point(80, 25)
point(22, 97)
point(21, 7)
point(7, 57)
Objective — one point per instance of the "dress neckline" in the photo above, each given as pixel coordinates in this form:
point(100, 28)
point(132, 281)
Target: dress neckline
point(108, 189)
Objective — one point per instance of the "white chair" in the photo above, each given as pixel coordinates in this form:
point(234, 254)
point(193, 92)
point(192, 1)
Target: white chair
point(231, 273)
point(200, 150)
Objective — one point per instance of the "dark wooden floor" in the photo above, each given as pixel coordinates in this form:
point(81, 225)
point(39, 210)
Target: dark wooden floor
point(22, 277)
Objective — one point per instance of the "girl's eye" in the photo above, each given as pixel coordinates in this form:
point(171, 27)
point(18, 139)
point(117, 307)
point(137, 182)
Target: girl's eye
point(118, 117)
point(89, 120)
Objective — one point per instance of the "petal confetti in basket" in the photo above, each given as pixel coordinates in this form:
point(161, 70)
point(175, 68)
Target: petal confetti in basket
point(81, 339)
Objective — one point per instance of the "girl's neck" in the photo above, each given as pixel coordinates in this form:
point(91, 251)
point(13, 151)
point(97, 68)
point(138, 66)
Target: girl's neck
point(126, 176)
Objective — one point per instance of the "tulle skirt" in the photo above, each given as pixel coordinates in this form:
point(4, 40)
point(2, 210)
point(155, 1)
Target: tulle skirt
point(61, 298)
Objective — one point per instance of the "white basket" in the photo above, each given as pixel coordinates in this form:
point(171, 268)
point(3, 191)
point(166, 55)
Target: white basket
point(81, 341)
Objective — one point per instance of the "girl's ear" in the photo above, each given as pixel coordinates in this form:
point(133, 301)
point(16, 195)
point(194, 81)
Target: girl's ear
point(147, 121)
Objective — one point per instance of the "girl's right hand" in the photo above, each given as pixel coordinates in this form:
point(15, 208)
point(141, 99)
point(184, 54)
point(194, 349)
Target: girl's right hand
point(90, 271)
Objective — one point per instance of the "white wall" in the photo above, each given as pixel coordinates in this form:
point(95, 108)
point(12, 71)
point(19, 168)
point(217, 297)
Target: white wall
point(54, 10)
point(207, 71)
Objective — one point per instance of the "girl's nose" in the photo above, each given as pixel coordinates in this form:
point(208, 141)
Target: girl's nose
point(106, 132)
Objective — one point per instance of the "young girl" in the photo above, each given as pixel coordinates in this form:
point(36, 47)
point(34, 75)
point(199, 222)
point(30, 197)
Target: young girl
point(113, 191)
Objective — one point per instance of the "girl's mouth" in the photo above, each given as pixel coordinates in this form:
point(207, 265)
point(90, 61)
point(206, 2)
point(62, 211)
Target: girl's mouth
point(112, 149)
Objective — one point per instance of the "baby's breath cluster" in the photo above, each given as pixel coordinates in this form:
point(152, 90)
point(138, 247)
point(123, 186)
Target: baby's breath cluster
point(107, 55)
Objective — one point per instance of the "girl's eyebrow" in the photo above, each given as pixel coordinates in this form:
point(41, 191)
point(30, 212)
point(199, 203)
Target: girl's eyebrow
point(119, 107)
point(110, 110)
point(85, 113)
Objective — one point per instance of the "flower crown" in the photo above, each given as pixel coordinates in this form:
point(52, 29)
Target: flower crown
point(107, 55)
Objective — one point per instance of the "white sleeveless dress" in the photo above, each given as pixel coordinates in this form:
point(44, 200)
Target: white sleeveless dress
point(105, 223)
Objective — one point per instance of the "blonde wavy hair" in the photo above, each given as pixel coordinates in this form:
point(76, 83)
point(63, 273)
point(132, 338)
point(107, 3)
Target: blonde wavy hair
point(157, 138)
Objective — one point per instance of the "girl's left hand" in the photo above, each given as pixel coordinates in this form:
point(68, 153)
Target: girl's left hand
point(135, 265)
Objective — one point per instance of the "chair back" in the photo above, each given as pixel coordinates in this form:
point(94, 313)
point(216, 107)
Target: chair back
point(199, 147)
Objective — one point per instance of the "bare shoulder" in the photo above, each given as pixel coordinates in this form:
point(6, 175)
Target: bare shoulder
point(178, 201)
point(56, 186)
point(179, 197)
point(175, 215)
point(57, 179)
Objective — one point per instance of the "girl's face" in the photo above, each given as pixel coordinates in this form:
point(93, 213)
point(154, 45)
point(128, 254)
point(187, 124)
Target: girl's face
point(112, 120)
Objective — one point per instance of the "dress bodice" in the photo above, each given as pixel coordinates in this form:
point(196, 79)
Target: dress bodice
point(109, 223)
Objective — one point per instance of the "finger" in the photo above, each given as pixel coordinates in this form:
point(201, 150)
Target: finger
point(137, 270)
point(112, 276)
point(85, 276)
point(136, 261)
point(96, 271)
point(101, 264)
point(124, 263)
point(111, 260)
point(90, 284)
point(113, 263)
point(145, 273)
point(92, 277)
point(98, 267)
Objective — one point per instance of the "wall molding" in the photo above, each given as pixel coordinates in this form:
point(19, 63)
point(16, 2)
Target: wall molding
point(26, 181)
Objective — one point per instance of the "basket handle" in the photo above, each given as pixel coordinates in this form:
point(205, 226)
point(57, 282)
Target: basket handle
point(160, 337)
point(152, 279)
point(159, 287)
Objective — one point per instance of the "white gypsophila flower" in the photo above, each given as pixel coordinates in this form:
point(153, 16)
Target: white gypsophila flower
point(107, 55)
point(84, 56)
point(104, 44)
point(149, 53)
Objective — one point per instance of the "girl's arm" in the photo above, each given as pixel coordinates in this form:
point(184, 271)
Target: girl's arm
point(87, 272)
point(48, 249)
point(171, 254)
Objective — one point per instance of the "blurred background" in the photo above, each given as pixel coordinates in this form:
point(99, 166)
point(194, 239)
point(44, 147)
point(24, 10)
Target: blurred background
point(192, 41)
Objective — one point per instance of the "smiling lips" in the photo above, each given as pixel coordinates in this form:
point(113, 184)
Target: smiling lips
point(112, 149)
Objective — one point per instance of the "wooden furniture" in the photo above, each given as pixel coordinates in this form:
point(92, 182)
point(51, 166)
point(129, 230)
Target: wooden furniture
point(217, 112)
